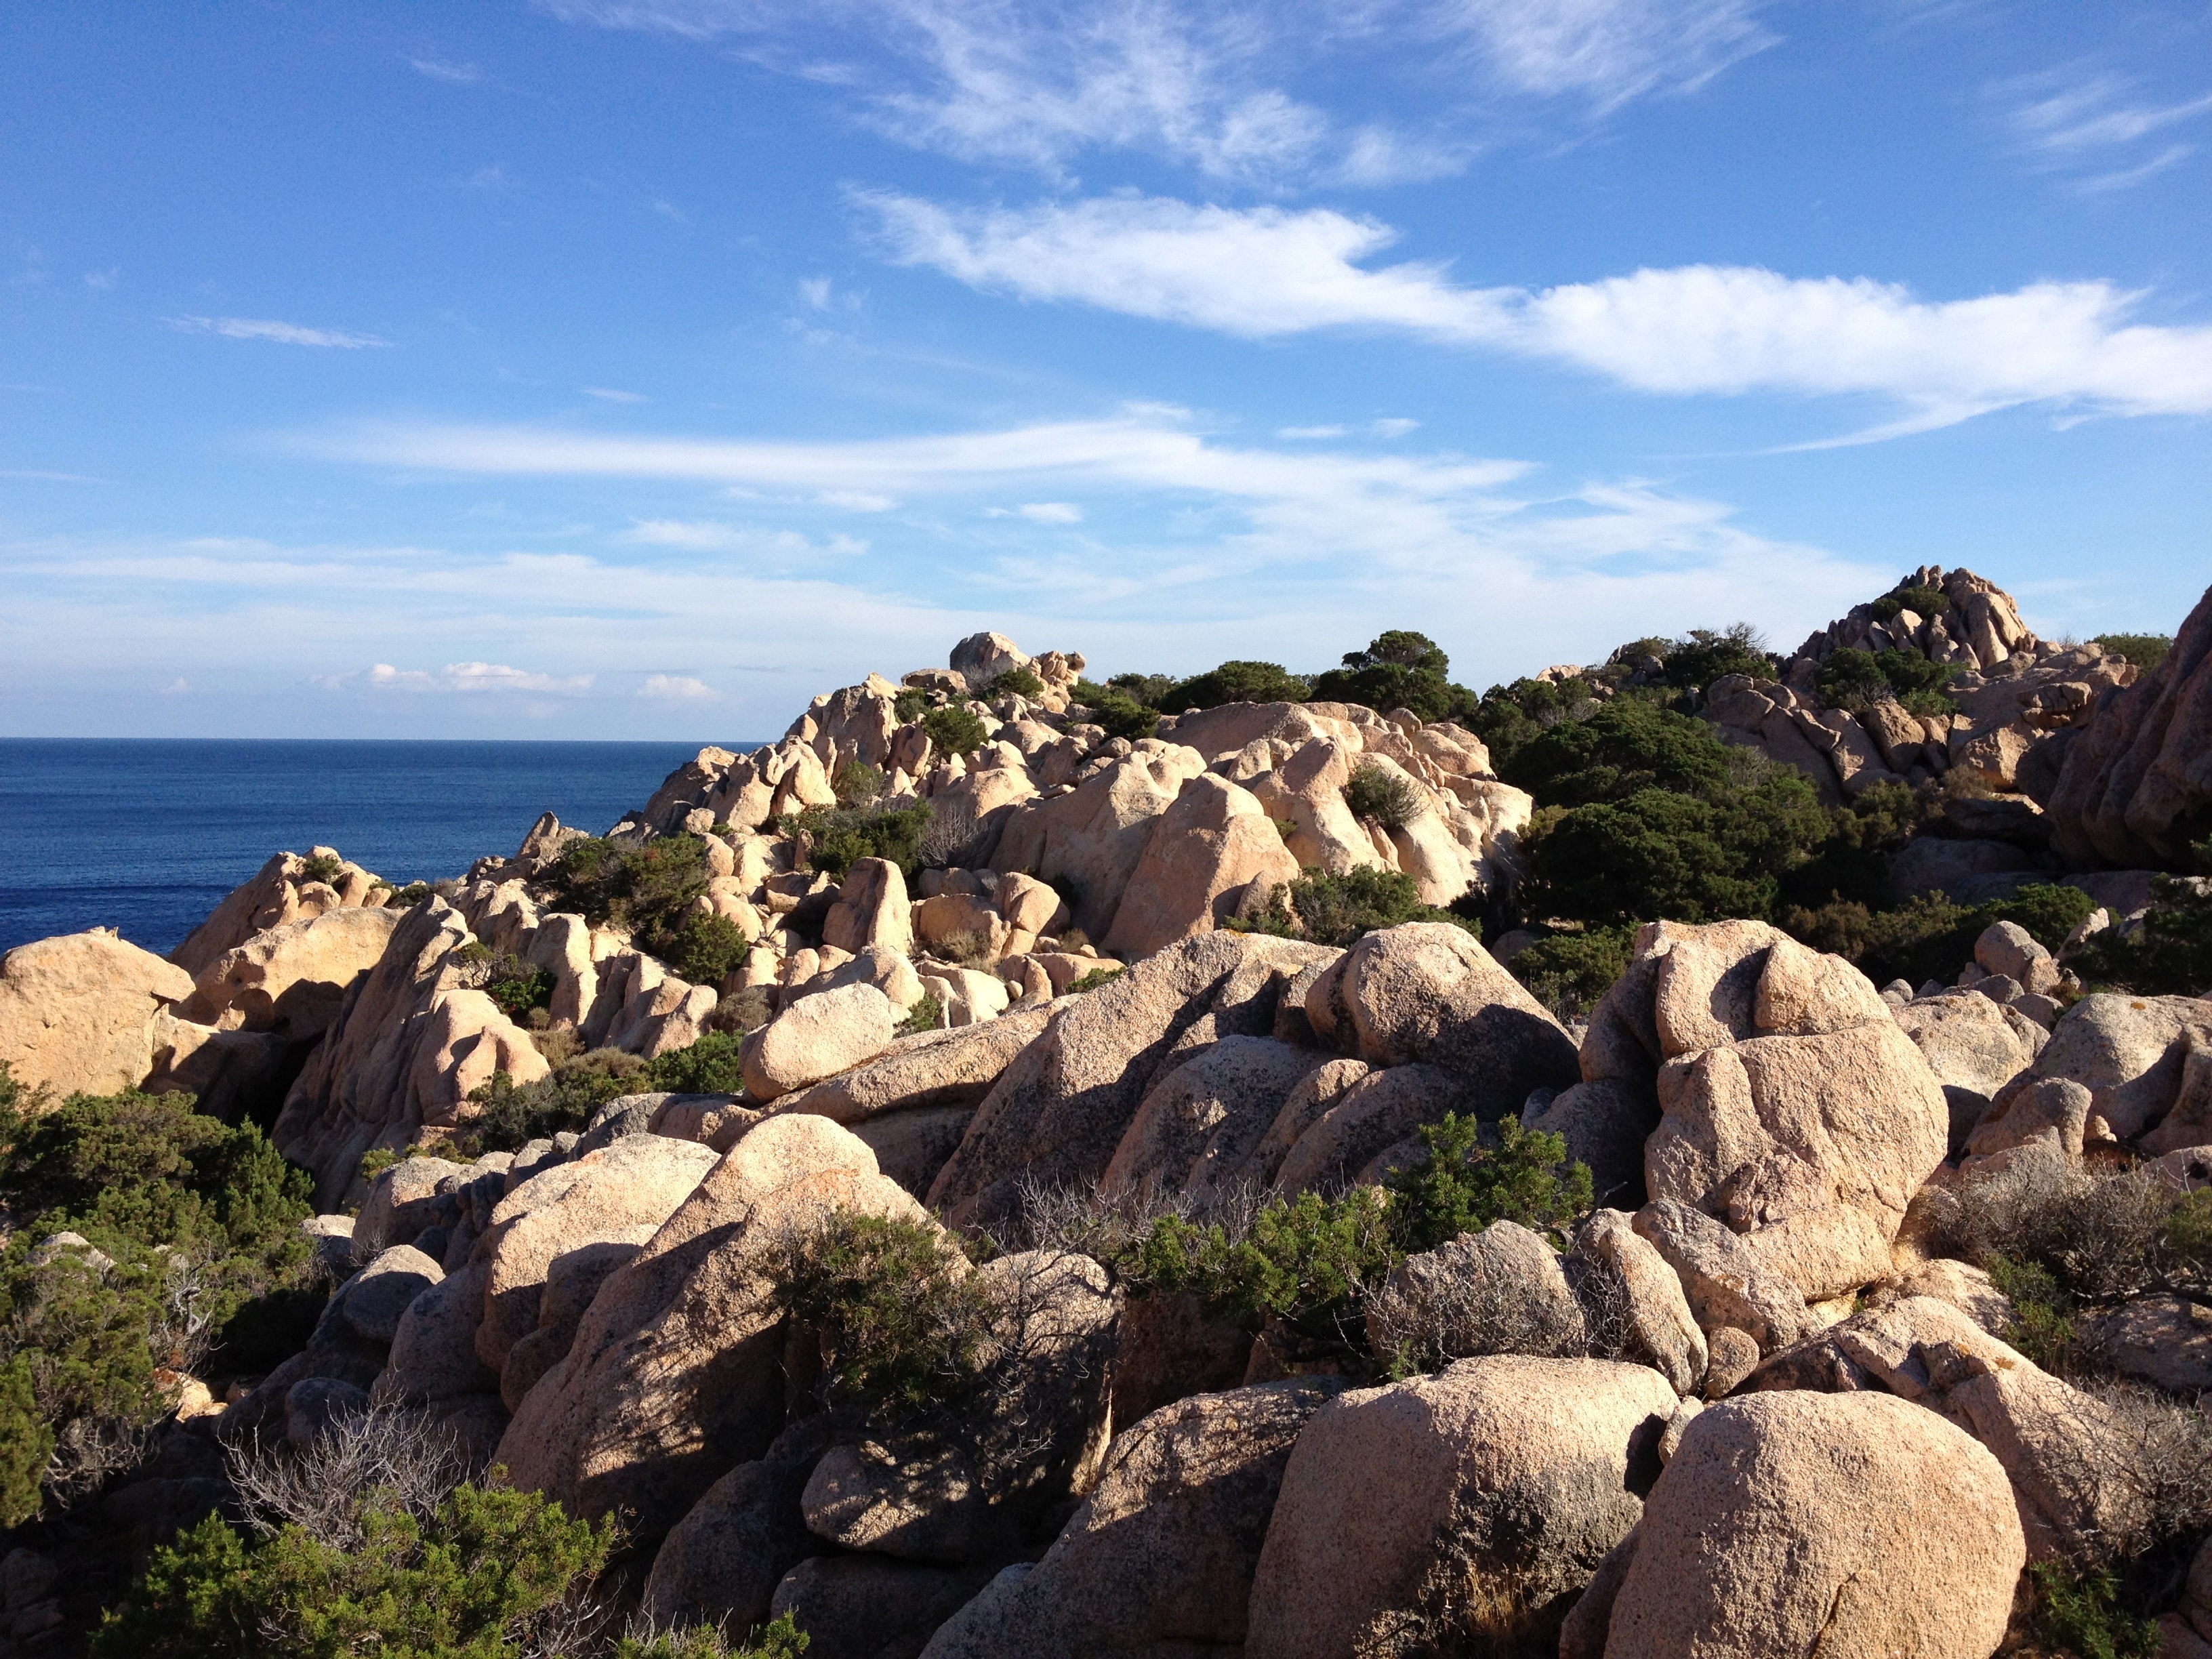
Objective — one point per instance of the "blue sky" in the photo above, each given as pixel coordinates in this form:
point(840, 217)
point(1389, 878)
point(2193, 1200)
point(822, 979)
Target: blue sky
point(605, 369)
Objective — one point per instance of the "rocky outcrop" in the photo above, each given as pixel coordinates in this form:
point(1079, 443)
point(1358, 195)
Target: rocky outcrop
point(291, 978)
point(1855, 1525)
point(78, 1013)
point(1463, 1510)
point(2135, 787)
point(2140, 1066)
point(287, 888)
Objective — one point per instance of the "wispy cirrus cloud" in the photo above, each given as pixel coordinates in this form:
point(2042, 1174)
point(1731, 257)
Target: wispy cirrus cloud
point(465, 677)
point(440, 68)
point(1609, 51)
point(252, 328)
point(2096, 124)
point(1266, 272)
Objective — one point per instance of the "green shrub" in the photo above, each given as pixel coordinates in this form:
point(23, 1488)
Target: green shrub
point(954, 730)
point(927, 1014)
point(1399, 669)
point(1931, 937)
point(1510, 717)
point(515, 985)
point(1148, 689)
point(2042, 1325)
point(512, 1114)
point(1014, 683)
point(710, 1065)
point(857, 783)
point(708, 949)
point(1303, 1263)
point(2078, 1615)
point(2145, 651)
point(1094, 978)
point(206, 1267)
point(1569, 972)
point(1461, 1186)
point(321, 867)
point(1376, 795)
point(1658, 854)
point(1233, 681)
point(1339, 910)
point(910, 705)
point(476, 1578)
point(1854, 680)
point(2171, 956)
point(1707, 655)
point(780, 1639)
point(1124, 713)
point(836, 841)
point(1623, 748)
point(407, 897)
point(905, 1327)
point(649, 888)
point(1923, 602)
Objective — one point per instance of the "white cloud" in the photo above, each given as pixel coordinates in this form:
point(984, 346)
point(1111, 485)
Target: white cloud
point(857, 501)
point(1051, 512)
point(2078, 124)
point(608, 394)
point(1268, 271)
point(439, 69)
point(493, 175)
point(101, 282)
point(1394, 426)
point(1301, 434)
point(677, 688)
point(1609, 51)
point(466, 676)
point(709, 536)
point(815, 290)
point(249, 328)
point(177, 687)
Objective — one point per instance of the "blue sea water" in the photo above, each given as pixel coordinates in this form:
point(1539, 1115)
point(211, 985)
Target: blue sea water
point(147, 836)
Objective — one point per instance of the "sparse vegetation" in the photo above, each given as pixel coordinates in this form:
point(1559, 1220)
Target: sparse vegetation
point(1094, 978)
point(1708, 654)
point(515, 985)
point(927, 1014)
point(1382, 796)
point(1856, 680)
point(193, 1262)
point(1339, 910)
point(834, 841)
point(1569, 972)
point(2145, 651)
point(1462, 1184)
point(321, 867)
point(1930, 937)
point(1233, 681)
point(1014, 683)
point(709, 1066)
point(708, 948)
point(857, 783)
point(512, 1115)
point(1117, 712)
point(954, 729)
point(2170, 955)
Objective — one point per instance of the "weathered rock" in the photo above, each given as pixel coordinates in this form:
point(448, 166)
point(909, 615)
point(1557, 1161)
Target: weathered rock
point(676, 1372)
point(1061, 1108)
point(872, 908)
point(572, 1283)
point(1660, 1330)
point(1094, 837)
point(1171, 1349)
point(916, 1501)
point(1212, 842)
point(292, 978)
point(2131, 1053)
point(1499, 1291)
point(315, 1404)
point(2134, 788)
point(1160, 1557)
point(1851, 1525)
point(1458, 1510)
point(620, 1192)
point(1974, 1047)
point(229, 1074)
point(1726, 1281)
point(723, 1560)
point(401, 1200)
point(1377, 1113)
point(1198, 1125)
point(2162, 1339)
point(863, 1607)
point(1605, 1125)
point(1429, 993)
point(77, 1012)
point(2007, 948)
point(433, 1351)
point(816, 1037)
point(954, 1066)
point(280, 892)
point(375, 1299)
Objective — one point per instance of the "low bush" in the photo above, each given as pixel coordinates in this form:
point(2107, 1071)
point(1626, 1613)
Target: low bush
point(707, 949)
point(1708, 654)
point(1931, 937)
point(321, 867)
point(515, 985)
point(1466, 1180)
point(1510, 717)
point(1341, 909)
point(1380, 796)
point(1014, 683)
point(1094, 978)
point(1233, 681)
point(927, 1014)
point(650, 889)
point(1121, 713)
point(197, 1265)
point(1923, 602)
point(1400, 669)
point(2170, 955)
point(710, 1065)
point(511, 1115)
point(954, 729)
point(834, 841)
point(374, 1545)
point(2078, 1615)
point(905, 1327)
point(2095, 1237)
point(910, 705)
point(1854, 680)
point(407, 897)
point(1569, 972)
point(2145, 651)
point(857, 783)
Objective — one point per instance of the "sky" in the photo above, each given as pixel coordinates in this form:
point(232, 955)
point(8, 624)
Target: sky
point(640, 368)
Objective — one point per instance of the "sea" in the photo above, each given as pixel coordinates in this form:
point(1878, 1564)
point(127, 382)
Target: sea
point(146, 837)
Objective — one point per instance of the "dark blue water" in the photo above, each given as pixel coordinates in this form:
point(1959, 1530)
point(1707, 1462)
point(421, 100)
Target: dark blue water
point(147, 836)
